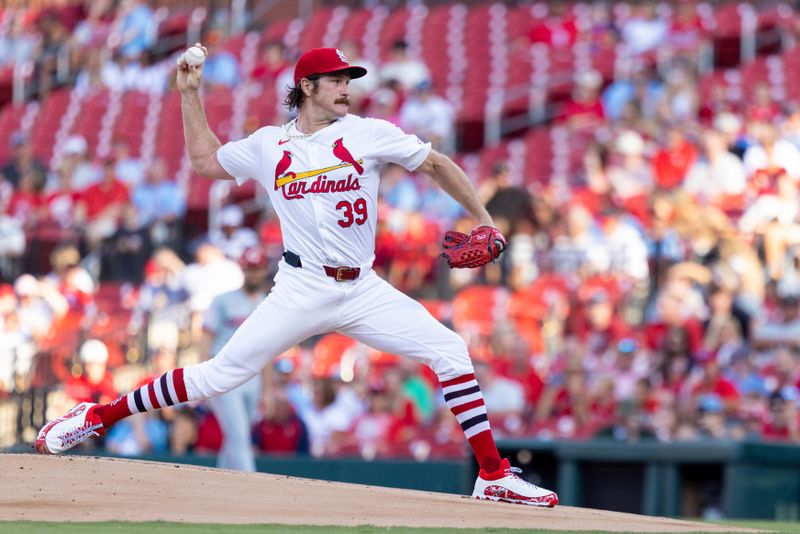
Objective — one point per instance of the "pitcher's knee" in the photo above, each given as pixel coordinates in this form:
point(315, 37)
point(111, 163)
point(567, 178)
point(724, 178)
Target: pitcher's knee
point(453, 360)
point(214, 377)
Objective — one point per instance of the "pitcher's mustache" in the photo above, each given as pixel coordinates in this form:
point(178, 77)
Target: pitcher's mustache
point(343, 101)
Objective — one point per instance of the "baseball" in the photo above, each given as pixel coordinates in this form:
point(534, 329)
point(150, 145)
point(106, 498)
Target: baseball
point(194, 56)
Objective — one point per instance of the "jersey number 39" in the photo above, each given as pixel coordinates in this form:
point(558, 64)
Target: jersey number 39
point(359, 207)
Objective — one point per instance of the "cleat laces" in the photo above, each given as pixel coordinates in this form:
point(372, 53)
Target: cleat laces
point(516, 471)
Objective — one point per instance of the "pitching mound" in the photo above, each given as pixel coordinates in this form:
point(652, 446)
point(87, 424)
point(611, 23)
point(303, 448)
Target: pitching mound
point(74, 488)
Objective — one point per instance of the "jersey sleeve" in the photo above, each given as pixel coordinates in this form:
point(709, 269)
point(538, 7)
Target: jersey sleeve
point(390, 144)
point(241, 159)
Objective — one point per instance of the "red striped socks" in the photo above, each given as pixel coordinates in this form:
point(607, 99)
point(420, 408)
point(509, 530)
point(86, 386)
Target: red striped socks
point(166, 390)
point(464, 398)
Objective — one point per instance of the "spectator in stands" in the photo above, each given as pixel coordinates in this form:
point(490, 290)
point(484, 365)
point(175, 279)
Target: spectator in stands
point(334, 409)
point(66, 273)
point(97, 72)
point(625, 246)
point(781, 327)
point(640, 88)
point(429, 116)
point(505, 396)
point(717, 177)
point(781, 423)
point(158, 199)
point(39, 306)
point(791, 125)
point(93, 31)
point(672, 161)
point(19, 44)
point(22, 160)
point(707, 380)
point(559, 29)
point(399, 190)
point(629, 366)
point(438, 205)
point(729, 125)
point(126, 251)
point(773, 217)
point(134, 27)
point(507, 203)
point(584, 110)
point(579, 245)
point(76, 157)
point(365, 86)
point(12, 246)
point(95, 383)
point(763, 108)
point(601, 327)
point(645, 30)
point(128, 169)
point(153, 76)
point(104, 203)
point(726, 323)
point(211, 275)
point(163, 296)
point(401, 67)
point(16, 349)
point(565, 400)
point(271, 63)
point(680, 100)
point(385, 101)
point(62, 203)
point(54, 41)
point(771, 154)
point(629, 172)
point(373, 428)
point(25, 203)
point(233, 238)
point(280, 431)
point(221, 67)
point(687, 32)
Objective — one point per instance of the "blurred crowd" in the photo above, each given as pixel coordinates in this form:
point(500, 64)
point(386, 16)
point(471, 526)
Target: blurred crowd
point(652, 291)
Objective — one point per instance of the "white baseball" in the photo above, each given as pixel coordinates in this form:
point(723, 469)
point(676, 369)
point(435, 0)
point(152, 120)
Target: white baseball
point(194, 56)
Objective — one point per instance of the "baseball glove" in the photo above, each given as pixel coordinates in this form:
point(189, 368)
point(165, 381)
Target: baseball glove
point(482, 245)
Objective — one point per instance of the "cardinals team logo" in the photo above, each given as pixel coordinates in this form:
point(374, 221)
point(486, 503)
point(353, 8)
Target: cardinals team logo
point(283, 166)
point(341, 55)
point(291, 181)
point(341, 152)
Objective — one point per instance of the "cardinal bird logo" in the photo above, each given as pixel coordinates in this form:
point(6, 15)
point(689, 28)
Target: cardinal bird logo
point(341, 152)
point(283, 165)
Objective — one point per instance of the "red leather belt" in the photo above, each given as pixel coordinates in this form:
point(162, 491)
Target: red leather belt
point(342, 274)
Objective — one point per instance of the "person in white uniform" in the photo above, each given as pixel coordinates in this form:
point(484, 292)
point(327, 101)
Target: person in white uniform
point(321, 171)
point(237, 410)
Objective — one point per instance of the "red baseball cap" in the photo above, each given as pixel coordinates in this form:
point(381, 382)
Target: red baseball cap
point(253, 258)
point(322, 61)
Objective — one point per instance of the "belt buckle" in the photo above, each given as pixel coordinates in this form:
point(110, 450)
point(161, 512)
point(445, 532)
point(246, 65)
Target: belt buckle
point(340, 273)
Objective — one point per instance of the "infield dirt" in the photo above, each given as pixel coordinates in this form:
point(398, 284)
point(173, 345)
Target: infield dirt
point(79, 488)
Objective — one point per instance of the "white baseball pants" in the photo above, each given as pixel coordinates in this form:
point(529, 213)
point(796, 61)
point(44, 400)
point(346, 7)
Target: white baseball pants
point(304, 303)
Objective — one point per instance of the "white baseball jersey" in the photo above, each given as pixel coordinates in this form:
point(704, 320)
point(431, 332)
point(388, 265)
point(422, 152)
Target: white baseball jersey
point(324, 186)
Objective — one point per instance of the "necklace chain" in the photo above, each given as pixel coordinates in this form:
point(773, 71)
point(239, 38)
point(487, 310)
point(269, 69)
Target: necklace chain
point(299, 134)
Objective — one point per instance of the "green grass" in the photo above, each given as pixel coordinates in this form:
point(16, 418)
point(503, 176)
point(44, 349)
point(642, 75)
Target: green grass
point(161, 527)
point(763, 524)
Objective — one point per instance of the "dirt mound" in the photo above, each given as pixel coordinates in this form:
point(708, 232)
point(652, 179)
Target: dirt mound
point(75, 488)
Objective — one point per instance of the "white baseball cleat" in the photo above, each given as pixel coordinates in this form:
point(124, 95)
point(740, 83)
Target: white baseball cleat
point(504, 485)
point(78, 425)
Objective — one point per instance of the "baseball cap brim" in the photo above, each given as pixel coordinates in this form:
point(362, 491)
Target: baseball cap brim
point(353, 70)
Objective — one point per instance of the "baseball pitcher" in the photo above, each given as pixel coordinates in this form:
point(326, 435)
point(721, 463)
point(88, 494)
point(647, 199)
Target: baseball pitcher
point(321, 171)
